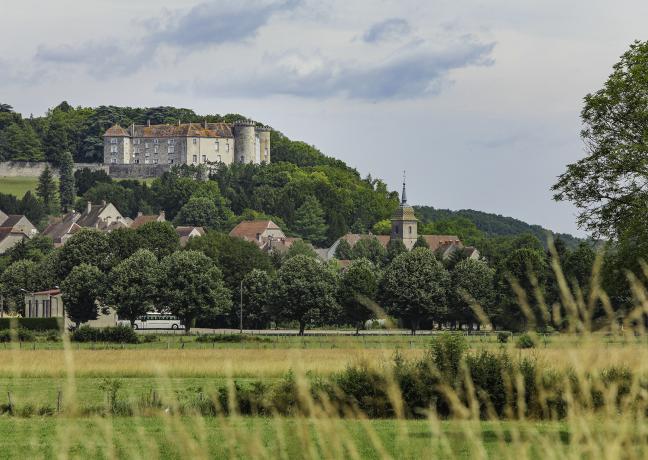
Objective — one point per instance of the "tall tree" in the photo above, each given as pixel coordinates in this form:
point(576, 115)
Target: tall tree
point(132, 287)
point(309, 221)
point(205, 212)
point(395, 248)
point(86, 246)
point(343, 250)
point(357, 291)
point(193, 286)
point(46, 191)
point(369, 248)
point(304, 291)
point(608, 185)
point(159, 237)
point(472, 281)
point(67, 191)
point(414, 288)
point(17, 279)
point(80, 291)
point(257, 296)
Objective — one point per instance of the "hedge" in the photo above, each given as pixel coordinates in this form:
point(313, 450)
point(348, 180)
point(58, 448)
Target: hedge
point(33, 324)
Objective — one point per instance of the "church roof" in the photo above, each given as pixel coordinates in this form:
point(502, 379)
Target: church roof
point(404, 212)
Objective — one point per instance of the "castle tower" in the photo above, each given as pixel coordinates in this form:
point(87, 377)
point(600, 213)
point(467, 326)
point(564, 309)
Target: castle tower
point(404, 223)
point(264, 143)
point(244, 141)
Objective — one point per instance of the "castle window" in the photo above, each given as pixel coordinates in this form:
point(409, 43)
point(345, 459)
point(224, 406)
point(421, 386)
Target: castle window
point(228, 146)
point(410, 229)
point(204, 158)
point(171, 141)
point(137, 161)
point(170, 161)
point(136, 141)
point(195, 158)
point(155, 141)
point(155, 161)
point(113, 140)
point(195, 141)
point(147, 145)
point(113, 148)
point(171, 149)
point(155, 149)
point(113, 160)
point(396, 229)
point(216, 146)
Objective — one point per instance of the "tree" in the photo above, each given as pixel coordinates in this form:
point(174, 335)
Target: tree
point(19, 142)
point(300, 247)
point(86, 178)
point(395, 247)
point(32, 208)
point(369, 248)
point(421, 243)
point(80, 291)
point(56, 141)
point(234, 256)
point(472, 281)
point(309, 221)
point(578, 266)
point(608, 185)
point(382, 227)
point(123, 243)
point(46, 191)
point(133, 285)
point(343, 250)
point(357, 291)
point(414, 288)
point(193, 286)
point(66, 181)
point(204, 212)
point(110, 192)
point(86, 246)
point(19, 277)
point(257, 295)
point(304, 291)
point(159, 237)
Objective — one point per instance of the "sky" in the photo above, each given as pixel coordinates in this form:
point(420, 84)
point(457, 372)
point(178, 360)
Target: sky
point(478, 101)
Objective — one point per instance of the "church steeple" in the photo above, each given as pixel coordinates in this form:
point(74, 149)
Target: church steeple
point(404, 222)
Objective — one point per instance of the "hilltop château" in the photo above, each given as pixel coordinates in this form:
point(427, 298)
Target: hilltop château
point(187, 144)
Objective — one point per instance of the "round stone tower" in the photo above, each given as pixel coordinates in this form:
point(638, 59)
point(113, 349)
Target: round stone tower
point(264, 143)
point(244, 141)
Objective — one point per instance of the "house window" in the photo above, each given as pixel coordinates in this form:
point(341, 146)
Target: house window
point(242, 158)
point(171, 149)
point(147, 154)
point(204, 158)
point(195, 158)
point(216, 145)
point(228, 146)
point(113, 140)
point(195, 141)
point(218, 158)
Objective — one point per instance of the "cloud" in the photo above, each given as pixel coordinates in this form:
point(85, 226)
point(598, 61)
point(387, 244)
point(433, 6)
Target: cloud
point(206, 24)
point(387, 30)
point(409, 75)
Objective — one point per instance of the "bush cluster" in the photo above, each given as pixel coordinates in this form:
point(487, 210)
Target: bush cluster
point(117, 334)
point(21, 334)
point(33, 324)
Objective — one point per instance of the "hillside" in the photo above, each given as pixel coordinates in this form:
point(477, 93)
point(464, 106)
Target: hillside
point(493, 224)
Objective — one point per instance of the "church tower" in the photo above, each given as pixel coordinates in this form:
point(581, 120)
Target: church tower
point(404, 223)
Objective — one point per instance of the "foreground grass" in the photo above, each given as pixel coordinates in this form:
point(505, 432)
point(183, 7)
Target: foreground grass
point(169, 437)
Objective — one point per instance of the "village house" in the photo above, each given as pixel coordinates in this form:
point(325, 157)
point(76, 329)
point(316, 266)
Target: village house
point(187, 232)
point(49, 304)
point(13, 230)
point(142, 219)
point(104, 217)
point(267, 235)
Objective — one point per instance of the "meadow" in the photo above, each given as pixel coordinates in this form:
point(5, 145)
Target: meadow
point(18, 186)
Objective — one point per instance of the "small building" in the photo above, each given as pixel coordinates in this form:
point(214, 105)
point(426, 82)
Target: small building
point(142, 219)
point(188, 232)
point(14, 229)
point(49, 304)
point(44, 304)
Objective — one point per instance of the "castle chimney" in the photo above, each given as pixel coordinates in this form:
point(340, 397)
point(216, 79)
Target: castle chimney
point(133, 130)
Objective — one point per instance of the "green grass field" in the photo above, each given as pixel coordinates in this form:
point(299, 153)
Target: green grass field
point(18, 186)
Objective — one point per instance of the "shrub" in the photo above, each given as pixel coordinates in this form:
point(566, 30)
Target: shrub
point(503, 336)
point(487, 371)
point(22, 335)
point(53, 336)
point(525, 341)
point(117, 334)
point(447, 352)
point(366, 389)
point(33, 324)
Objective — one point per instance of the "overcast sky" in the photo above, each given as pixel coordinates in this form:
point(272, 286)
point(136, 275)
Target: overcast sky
point(478, 100)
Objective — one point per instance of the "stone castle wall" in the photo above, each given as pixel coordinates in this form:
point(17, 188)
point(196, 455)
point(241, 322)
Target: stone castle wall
point(34, 169)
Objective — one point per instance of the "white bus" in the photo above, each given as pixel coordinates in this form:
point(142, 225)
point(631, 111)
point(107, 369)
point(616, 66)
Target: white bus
point(154, 321)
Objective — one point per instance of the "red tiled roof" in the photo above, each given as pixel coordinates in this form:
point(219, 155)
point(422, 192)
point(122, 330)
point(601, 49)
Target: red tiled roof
point(141, 220)
point(249, 229)
point(437, 241)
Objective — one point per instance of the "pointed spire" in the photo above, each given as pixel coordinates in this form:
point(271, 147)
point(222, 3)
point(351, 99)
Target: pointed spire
point(404, 195)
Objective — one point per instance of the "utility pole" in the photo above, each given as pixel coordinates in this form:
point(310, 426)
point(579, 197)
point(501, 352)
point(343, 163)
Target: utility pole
point(241, 310)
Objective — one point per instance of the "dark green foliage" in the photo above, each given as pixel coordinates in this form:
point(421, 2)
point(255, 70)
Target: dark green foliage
point(343, 250)
point(81, 290)
point(159, 237)
point(121, 197)
point(32, 324)
point(86, 246)
point(357, 291)
point(205, 212)
point(525, 341)
point(47, 192)
point(503, 337)
point(309, 221)
point(20, 334)
point(394, 249)
point(86, 178)
point(19, 142)
point(67, 191)
point(300, 247)
point(421, 243)
point(231, 338)
point(369, 248)
point(257, 297)
point(117, 334)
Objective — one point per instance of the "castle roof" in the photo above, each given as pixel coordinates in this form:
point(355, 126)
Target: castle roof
point(116, 131)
